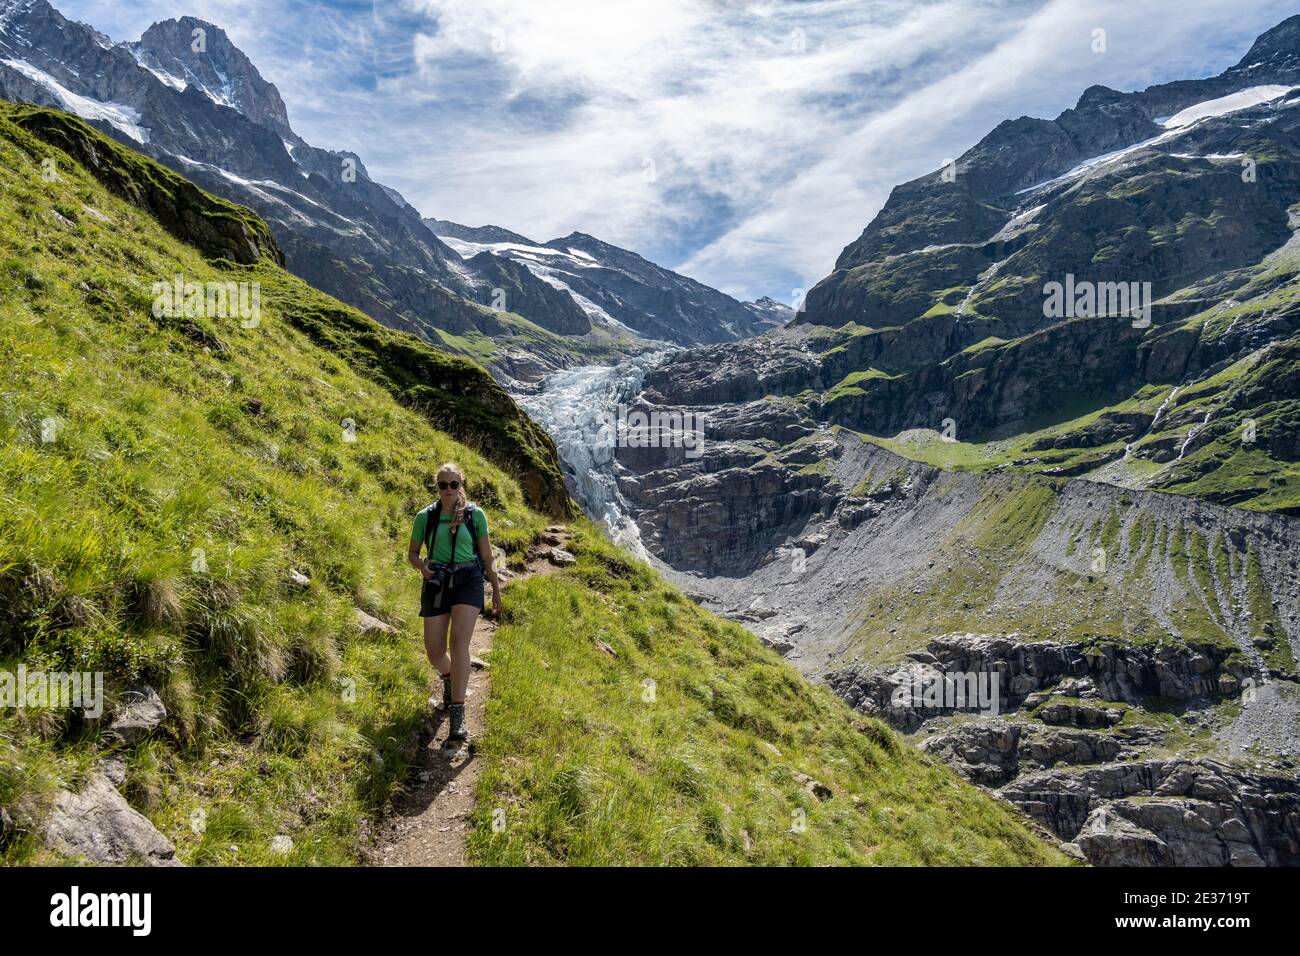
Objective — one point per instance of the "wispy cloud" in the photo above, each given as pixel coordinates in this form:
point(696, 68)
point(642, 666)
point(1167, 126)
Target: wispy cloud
point(744, 143)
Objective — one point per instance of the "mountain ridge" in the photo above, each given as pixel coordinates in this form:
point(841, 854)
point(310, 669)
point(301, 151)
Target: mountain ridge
point(210, 115)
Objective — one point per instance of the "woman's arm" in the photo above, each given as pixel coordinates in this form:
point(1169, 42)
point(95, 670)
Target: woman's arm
point(414, 560)
point(489, 568)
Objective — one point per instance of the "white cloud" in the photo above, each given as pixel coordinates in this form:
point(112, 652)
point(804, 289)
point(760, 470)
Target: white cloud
point(1046, 60)
point(545, 117)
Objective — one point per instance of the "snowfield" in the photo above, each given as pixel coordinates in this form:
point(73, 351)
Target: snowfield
point(1244, 99)
point(121, 117)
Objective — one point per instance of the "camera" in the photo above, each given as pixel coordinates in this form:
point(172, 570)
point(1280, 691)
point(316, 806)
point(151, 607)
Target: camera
point(440, 574)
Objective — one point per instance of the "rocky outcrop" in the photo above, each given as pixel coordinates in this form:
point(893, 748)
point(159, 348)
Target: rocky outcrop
point(1106, 670)
point(1061, 757)
point(1030, 673)
point(1168, 813)
point(994, 752)
point(986, 752)
point(96, 825)
point(140, 713)
point(218, 228)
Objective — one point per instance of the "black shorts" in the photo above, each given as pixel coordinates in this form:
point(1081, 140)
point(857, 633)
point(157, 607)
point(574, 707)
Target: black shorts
point(465, 587)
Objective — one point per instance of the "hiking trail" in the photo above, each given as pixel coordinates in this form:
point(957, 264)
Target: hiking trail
point(428, 824)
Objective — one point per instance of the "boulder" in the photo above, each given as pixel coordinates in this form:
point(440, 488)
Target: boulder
point(815, 787)
point(141, 712)
point(368, 624)
point(97, 825)
point(560, 557)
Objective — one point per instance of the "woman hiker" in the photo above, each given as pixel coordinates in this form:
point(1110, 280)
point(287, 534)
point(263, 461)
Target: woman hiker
point(453, 584)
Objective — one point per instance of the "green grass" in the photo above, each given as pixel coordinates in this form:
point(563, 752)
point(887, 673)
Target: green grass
point(849, 385)
point(586, 766)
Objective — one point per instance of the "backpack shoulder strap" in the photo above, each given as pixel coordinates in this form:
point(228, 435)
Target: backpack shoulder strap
point(470, 508)
point(431, 527)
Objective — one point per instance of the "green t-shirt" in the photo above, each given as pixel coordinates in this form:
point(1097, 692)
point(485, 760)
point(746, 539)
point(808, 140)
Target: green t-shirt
point(442, 540)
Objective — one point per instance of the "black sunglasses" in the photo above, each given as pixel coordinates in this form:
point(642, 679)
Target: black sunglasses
point(444, 485)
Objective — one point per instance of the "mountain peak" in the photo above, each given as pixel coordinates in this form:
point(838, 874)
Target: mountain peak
point(579, 237)
point(1281, 42)
point(188, 50)
point(1097, 95)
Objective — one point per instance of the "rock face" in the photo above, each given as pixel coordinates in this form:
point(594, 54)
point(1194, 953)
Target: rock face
point(1108, 671)
point(1088, 780)
point(994, 752)
point(98, 826)
point(1030, 673)
point(1168, 813)
point(217, 67)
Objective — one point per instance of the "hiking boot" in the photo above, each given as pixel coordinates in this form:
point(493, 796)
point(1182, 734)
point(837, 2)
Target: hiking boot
point(458, 729)
point(446, 690)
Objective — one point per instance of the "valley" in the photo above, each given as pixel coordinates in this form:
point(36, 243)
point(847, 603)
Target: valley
point(924, 473)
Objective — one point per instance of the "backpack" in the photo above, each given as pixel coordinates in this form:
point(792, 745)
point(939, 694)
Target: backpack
point(431, 530)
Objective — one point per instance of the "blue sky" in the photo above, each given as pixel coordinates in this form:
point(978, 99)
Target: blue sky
point(744, 144)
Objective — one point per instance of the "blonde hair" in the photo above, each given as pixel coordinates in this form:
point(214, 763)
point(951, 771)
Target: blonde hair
point(454, 469)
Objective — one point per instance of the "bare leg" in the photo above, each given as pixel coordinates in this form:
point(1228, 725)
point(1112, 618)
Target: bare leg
point(435, 642)
point(463, 617)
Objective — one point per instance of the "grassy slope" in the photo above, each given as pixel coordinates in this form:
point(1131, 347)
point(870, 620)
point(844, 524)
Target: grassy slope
point(163, 444)
point(590, 767)
point(174, 434)
point(978, 580)
point(457, 394)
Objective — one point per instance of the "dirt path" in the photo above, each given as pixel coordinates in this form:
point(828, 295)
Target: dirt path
point(430, 821)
